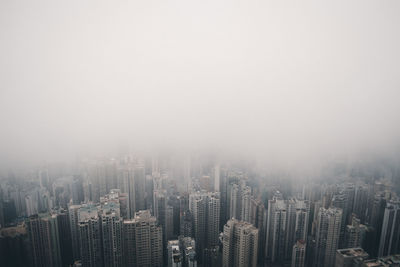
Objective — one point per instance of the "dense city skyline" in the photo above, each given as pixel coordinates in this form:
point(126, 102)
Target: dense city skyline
point(178, 133)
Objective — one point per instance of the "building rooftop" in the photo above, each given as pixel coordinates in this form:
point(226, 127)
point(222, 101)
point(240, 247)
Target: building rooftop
point(353, 252)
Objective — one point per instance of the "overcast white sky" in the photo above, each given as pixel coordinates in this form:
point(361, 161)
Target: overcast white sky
point(289, 78)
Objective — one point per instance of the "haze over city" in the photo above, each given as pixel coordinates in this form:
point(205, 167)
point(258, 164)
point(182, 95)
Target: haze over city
point(255, 110)
point(259, 77)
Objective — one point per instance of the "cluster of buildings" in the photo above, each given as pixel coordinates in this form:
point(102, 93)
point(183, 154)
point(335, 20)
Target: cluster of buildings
point(133, 212)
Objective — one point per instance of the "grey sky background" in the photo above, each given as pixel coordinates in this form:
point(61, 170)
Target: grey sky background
point(286, 80)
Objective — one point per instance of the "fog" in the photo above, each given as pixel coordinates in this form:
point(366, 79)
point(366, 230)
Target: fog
point(285, 81)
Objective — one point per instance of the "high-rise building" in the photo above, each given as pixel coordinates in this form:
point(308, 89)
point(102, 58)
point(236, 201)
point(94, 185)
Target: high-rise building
point(287, 222)
point(15, 247)
point(355, 233)
point(44, 239)
point(188, 248)
point(346, 257)
point(297, 224)
point(111, 229)
point(149, 192)
point(213, 212)
point(140, 187)
point(186, 228)
point(212, 257)
point(204, 207)
point(174, 254)
point(77, 194)
point(240, 195)
point(223, 189)
point(64, 231)
point(129, 242)
point(164, 214)
point(258, 218)
point(217, 181)
point(376, 221)
point(90, 242)
point(327, 236)
point(240, 244)
point(174, 202)
point(31, 203)
point(118, 198)
point(276, 230)
point(360, 206)
point(128, 187)
point(340, 201)
point(142, 241)
point(390, 235)
point(2, 219)
point(74, 230)
point(97, 179)
point(197, 205)
point(299, 254)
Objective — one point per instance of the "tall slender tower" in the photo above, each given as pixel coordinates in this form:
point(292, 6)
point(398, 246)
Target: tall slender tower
point(73, 223)
point(390, 235)
point(276, 230)
point(360, 205)
point(90, 235)
point(240, 195)
point(128, 187)
point(213, 212)
point(64, 231)
point(111, 229)
point(327, 236)
point(240, 244)
point(163, 214)
point(140, 187)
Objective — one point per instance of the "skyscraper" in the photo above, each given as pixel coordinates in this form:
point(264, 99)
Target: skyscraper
point(89, 227)
point(276, 230)
point(299, 254)
point(142, 241)
point(64, 231)
point(297, 224)
point(240, 244)
point(204, 208)
point(239, 207)
point(128, 187)
point(15, 247)
point(140, 187)
point(73, 223)
point(360, 206)
point(327, 236)
point(188, 248)
point(376, 220)
point(390, 235)
point(355, 233)
point(44, 238)
point(111, 229)
point(163, 213)
point(186, 228)
point(258, 218)
point(287, 223)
